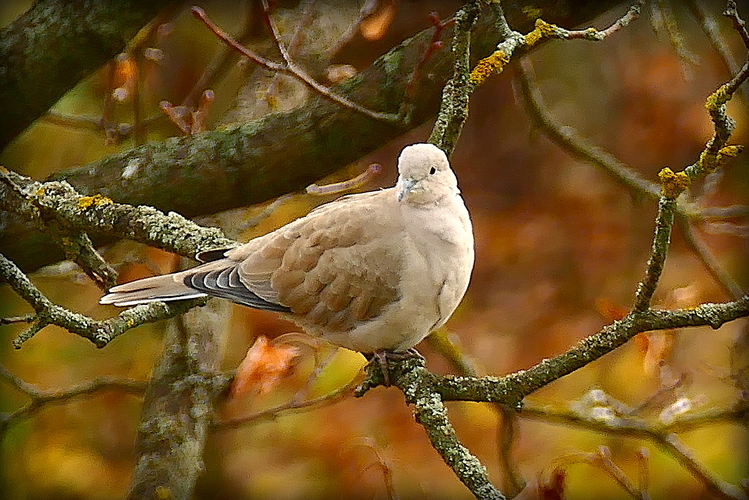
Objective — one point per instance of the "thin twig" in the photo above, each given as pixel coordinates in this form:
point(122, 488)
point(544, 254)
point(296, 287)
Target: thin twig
point(514, 41)
point(290, 68)
point(547, 30)
point(110, 129)
point(717, 152)
point(41, 399)
point(115, 132)
point(506, 438)
point(308, 10)
point(663, 223)
point(714, 484)
point(201, 113)
point(25, 318)
point(328, 399)
point(603, 460)
point(707, 258)
point(221, 63)
point(320, 365)
point(710, 28)
point(664, 21)
point(385, 466)
point(663, 435)
point(339, 187)
point(732, 212)
point(732, 12)
point(176, 115)
point(569, 140)
point(631, 426)
point(435, 44)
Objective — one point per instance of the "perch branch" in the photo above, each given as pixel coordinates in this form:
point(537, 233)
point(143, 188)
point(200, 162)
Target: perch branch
point(60, 202)
point(98, 332)
point(512, 388)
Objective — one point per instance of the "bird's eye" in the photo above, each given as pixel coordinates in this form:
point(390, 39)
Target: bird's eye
point(432, 171)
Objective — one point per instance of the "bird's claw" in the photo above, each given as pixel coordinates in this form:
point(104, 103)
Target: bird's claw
point(384, 358)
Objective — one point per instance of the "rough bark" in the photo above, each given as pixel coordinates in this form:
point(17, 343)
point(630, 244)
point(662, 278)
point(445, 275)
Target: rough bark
point(179, 404)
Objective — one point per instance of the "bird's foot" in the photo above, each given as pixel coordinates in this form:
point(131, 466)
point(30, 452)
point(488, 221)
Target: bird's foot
point(384, 358)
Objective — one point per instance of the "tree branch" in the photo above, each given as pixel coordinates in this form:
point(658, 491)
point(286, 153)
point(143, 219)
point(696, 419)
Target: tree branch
point(42, 399)
point(53, 45)
point(100, 333)
point(457, 91)
point(418, 386)
point(512, 388)
point(181, 399)
point(662, 435)
point(59, 203)
point(41, 202)
point(569, 140)
point(239, 166)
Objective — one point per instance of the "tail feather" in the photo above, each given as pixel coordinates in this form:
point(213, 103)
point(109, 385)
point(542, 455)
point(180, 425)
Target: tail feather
point(158, 288)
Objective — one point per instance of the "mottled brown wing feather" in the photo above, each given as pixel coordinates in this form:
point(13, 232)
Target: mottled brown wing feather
point(333, 268)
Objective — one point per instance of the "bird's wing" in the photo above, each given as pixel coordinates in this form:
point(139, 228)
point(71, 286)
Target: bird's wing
point(335, 267)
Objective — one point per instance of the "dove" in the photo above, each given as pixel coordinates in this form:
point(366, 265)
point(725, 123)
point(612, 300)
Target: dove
point(373, 272)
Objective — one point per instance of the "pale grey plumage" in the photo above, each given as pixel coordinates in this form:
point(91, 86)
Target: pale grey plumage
point(370, 272)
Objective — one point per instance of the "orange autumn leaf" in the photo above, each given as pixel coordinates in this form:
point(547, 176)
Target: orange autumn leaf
point(374, 26)
point(642, 342)
point(125, 77)
point(609, 310)
point(263, 367)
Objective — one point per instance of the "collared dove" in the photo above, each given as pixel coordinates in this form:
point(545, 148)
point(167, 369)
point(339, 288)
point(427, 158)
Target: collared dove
point(373, 272)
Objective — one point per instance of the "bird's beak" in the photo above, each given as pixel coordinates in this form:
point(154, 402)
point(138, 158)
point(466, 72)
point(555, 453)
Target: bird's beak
point(406, 186)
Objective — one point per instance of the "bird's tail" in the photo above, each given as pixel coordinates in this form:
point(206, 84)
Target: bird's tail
point(165, 288)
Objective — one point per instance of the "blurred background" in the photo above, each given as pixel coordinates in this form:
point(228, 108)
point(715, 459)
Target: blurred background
point(560, 247)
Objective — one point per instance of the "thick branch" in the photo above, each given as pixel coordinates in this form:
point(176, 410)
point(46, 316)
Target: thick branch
point(179, 404)
point(250, 163)
point(47, 202)
point(51, 47)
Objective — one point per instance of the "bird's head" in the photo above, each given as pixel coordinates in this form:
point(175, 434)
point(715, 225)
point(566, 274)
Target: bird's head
point(425, 176)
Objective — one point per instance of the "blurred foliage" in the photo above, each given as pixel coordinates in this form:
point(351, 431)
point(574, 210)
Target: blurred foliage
point(560, 248)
